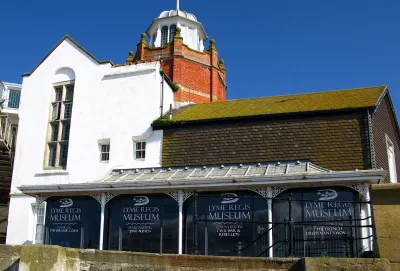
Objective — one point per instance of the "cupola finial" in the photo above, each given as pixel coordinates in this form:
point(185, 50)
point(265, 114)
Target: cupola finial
point(177, 4)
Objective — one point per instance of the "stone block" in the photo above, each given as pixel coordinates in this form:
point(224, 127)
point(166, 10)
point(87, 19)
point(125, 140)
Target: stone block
point(344, 264)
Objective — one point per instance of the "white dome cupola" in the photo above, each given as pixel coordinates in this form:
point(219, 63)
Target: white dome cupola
point(163, 29)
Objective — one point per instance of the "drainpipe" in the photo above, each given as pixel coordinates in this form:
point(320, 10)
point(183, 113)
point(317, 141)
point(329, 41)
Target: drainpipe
point(162, 96)
point(270, 241)
point(369, 213)
point(180, 239)
point(103, 204)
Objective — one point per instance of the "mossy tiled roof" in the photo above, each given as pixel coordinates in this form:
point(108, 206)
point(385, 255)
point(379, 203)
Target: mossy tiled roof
point(308, 102)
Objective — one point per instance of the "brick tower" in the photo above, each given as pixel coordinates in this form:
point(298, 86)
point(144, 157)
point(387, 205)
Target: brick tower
point(177, 40)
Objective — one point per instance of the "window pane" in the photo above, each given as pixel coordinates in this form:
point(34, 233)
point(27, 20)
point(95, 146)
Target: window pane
point(52, 155)
point(58, 94)
point(172, 32)
point(13, 98)
point(63, 154)
point(54, 132)
point(56, 111)
point(65, 131)
point(69, 96)
point(105, 148)
point(67, 110)
point(105, 156)
point(138, 146)
point(164, 35)
point(143, 145)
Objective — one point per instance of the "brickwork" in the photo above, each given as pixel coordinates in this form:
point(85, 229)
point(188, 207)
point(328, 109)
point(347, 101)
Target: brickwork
point(199, 73)
point(335, 141)
point(384, 123)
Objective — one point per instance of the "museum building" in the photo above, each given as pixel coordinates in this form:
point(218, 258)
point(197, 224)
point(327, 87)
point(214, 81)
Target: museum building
point(143, 168)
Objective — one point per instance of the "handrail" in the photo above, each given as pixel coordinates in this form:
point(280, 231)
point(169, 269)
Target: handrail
point(6, 132)
point(255, 240)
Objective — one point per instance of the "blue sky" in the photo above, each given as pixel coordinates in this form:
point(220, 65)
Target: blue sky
point(270, 47)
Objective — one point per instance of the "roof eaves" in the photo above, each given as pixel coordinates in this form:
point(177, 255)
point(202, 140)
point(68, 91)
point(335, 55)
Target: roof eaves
point(74, 42)
point(177, 123)
point(392, 108)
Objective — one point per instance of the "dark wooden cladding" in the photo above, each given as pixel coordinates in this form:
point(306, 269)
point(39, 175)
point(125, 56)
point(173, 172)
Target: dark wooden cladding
point(337, 141)
point(384, 123)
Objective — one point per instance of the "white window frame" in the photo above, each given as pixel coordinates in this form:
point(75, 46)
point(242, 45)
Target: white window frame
point(39, 222)
point(391, 160)
point(104, 142)
point(136, 150)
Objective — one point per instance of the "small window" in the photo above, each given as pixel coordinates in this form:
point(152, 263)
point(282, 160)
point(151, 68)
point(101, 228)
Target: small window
point(54, 132)
point(69, 95)
point(391, 160)
point(52, 155)
point(58, 94)
point(172, 32)
point(164, 35)
point(140, 150)
point(105, 152)
point(67, 110)
point(63, 154)
point(65, 131)
point(40, 220)
point(13, 98)
point(56, 111)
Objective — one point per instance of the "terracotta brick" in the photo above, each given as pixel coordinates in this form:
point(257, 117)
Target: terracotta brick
point(198, 72)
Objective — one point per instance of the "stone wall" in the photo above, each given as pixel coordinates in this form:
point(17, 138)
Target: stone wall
point(386, 213)
point(55, 258)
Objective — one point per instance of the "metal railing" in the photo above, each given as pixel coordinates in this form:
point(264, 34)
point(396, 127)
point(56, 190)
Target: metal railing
point(11, 98)
point(296, 235)
point(6, 132)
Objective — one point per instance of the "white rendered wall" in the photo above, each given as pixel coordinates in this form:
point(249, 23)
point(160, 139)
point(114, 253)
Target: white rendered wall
point(116, 104)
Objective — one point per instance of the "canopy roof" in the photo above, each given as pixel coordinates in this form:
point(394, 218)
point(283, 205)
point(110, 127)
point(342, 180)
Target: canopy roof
point(214, 177)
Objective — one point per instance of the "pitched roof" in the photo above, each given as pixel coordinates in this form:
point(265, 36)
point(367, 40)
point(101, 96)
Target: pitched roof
point(78, 45)
point(286, 104)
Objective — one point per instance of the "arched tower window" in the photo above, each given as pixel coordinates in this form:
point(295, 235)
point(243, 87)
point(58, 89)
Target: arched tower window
point(164, 35)
point(172, 32)
point(60, 118)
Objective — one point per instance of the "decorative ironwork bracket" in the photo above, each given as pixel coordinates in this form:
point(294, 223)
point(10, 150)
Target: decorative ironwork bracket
point(175, 195)
point(358, 187)
point(41, 199)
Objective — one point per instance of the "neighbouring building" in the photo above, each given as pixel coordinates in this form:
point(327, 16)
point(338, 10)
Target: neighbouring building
point(141, 167)
point(10, 95)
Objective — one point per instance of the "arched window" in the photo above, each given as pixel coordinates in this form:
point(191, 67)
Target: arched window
point(172, 32)
point(164, 35)
point(60, 118)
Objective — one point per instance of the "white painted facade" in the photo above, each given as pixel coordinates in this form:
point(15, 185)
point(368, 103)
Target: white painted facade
point(110, 104)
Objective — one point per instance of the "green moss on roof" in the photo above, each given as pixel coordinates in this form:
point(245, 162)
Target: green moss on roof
point(308, 102)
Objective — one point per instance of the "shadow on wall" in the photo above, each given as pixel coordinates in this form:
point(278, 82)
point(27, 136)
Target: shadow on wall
point(13, 267)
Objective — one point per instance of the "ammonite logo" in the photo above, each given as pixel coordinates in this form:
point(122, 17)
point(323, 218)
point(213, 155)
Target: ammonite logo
point(141, 200)
point(64, 203)
point(327, 194)
point(229, 198)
